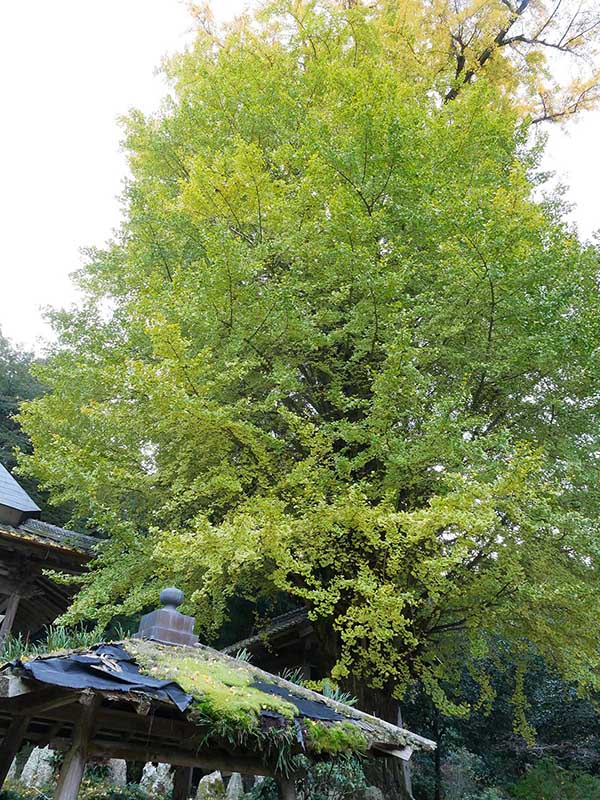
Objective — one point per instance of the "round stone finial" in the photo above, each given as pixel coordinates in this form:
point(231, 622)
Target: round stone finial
point(171, 597)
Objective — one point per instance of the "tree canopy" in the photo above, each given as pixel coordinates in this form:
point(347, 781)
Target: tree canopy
point(16, 385)
point(344, 347)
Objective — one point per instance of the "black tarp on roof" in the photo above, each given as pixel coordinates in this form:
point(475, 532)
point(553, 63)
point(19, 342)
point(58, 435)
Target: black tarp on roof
point(308, 709)
point(107, 667)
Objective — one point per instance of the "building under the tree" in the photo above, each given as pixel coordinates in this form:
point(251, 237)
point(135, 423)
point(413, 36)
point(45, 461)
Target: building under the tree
point(28, 547)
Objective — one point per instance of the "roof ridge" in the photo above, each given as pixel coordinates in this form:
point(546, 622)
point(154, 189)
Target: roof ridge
point(13, 495)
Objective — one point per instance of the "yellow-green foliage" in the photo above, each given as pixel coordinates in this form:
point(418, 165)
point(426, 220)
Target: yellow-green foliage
point(340, 737)
point(221, 691)
point(347, 356)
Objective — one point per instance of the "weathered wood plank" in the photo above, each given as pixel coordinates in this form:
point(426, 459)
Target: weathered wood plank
point(182, 783)
point(107, 719)
point(24, 588)
point(9, 616)
point(11, 745)
point(73, 766)
point(179, 758)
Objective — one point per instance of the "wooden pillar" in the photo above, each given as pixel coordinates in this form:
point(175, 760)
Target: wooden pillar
point(73, 766)
point(11, 744)
point(405, 765)
point(287, 788)
point(182, 783)
point(9, 616)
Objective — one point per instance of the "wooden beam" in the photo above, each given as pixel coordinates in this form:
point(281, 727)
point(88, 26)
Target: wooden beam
point(108, 721)
point(9, 616)
point(180, 758)
point(35, 703)
point(111, 719)
point(11, 745)
point(73, 766)
point(51, 734)
point(403, 753)
point(22, 587)
point(182, 783)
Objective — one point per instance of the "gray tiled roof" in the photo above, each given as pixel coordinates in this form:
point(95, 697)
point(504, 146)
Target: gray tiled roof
point(284, 622)
point(62, 536)
point(13, 495)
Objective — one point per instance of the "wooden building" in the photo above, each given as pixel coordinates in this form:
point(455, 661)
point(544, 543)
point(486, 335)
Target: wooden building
point(161, 696)
point(288, 641)
point(28, 546)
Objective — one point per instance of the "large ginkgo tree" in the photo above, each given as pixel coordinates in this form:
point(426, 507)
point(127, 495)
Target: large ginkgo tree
point(345, 347)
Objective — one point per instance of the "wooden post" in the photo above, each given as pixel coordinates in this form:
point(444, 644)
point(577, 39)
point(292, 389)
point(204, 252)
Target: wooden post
point(73, 766)
point(287, 788)
point(9, 616)
point(405, 765)
point(182, 783)
point(11, 744)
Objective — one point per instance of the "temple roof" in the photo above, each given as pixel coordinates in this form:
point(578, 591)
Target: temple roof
point(27, 551)
point(13, 495)
point(54, 536)
point(294, 622)
point(222, 698)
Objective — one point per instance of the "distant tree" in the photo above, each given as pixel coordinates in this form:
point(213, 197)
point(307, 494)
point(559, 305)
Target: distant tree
point(16, 384)
point(507, 733)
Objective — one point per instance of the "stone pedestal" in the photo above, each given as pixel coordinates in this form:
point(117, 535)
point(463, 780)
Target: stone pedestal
point(38, 771)
point(235, 787)
point(211, 787)
point(117, 772)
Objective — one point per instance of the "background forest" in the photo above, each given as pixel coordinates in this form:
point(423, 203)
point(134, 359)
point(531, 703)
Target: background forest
point(343, 353)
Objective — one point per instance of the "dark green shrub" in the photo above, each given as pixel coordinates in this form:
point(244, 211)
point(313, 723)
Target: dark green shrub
point(130, 792)
point(10, 794)
point(549, 781)
point(339, 779)
point(265, 790)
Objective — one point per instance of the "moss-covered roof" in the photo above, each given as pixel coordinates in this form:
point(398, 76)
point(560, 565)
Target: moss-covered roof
point(225, 698)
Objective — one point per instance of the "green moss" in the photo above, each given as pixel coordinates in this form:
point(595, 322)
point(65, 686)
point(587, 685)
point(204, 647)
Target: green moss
point(226, 705)
point(339, 737)
point(221, 692)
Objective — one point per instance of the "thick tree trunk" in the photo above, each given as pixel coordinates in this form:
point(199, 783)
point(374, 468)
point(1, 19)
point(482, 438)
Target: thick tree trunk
point(387, 774)
point(391, 775)
point(438, 762)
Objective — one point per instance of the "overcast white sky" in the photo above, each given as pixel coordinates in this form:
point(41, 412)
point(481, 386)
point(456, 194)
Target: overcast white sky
point(70, 68)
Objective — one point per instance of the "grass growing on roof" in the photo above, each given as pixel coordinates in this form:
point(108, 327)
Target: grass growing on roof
point(335, 738)
point(220, 691)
